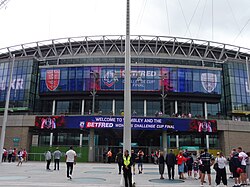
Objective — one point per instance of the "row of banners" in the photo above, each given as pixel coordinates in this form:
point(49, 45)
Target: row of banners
point(142, 79)
point(115, 122)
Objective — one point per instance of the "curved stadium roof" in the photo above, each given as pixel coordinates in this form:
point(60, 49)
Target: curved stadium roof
point(114, 46)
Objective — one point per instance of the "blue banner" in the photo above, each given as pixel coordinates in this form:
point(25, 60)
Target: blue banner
point(115, 122)
point(111, 78)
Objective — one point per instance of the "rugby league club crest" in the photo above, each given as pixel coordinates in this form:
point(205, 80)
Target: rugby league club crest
point(110, 78)
point(52, 79)
point(209, 81)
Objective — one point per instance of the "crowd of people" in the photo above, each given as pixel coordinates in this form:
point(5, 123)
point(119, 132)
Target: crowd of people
point(197, 166)
point(13, 155)
point(191, 165)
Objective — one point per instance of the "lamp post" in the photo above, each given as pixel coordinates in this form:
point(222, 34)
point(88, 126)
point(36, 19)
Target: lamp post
point(163, 94)
point(91, 131)
point(127, 86)
point(93, 92)
point(6, 109)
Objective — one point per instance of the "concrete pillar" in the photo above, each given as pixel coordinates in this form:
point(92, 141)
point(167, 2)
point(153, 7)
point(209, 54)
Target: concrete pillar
point(53, 113)
point(205, 109)
point(175, 107)
point(91, 145)
point(80, 143)
point(165, 142)
point(54, 107)
point(207, 141)
point(145, 108)
point(51, 139)
point(113, 107)
point(82, 110)
point(177, 142)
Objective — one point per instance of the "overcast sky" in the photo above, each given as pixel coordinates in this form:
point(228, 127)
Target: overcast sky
point(226, 21)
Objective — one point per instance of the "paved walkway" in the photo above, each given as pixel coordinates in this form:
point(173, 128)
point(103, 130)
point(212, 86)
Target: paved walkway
point(84, 174)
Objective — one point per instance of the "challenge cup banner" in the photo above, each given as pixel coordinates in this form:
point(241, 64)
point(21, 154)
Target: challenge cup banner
point(152, 79)
point(52, 79)
point(117, 122)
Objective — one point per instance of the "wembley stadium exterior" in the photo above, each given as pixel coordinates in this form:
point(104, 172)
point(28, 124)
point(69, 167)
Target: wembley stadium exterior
point(186, 94)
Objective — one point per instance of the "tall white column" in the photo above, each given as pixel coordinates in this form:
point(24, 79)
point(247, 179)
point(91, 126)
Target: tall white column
point(53, 113)
point(91, 145)
point(205, 109)
point(80, 143)
point(207, 141)
point(145, 107)
point(165, 142)
point(113, 107)
point(127, 86)
point(177, 142)
point(207, 136)
point(51, 139)
point(175, 107)
point(5, 117)
point(83, 106)
point(54, 107)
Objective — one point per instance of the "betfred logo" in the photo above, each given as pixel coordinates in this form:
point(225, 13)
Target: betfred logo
point(52, 79)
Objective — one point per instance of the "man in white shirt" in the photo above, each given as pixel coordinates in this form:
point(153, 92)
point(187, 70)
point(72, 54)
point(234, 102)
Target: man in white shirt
point(48, 159)
point(70, 161)
point(243, 157)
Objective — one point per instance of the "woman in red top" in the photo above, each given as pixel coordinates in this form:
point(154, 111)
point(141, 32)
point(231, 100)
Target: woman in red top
point(25, 155)
point(180, 162)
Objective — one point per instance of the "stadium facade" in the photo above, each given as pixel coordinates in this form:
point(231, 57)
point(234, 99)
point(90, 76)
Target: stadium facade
point(186, 93)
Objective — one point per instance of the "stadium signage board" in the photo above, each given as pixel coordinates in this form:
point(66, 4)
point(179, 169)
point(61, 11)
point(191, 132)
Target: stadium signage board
point(117, 122)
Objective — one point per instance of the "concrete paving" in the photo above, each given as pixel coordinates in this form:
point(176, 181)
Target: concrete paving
point(85, 174)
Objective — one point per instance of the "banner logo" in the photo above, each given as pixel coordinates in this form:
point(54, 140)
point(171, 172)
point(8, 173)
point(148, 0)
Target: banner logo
point(48, 123)
point(209, 81)
point(52, 79)
point(110, 78)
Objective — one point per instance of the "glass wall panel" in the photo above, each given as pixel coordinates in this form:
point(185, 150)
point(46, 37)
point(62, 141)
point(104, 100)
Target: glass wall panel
point(152, 107)
point(68, 107)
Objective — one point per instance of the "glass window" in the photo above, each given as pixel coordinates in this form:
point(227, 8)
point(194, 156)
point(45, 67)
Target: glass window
point(119, 107)
point(105, 107)
point(138, 108)
point(153, 107)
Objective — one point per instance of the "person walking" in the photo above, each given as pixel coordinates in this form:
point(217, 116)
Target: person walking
point(109, 155)
point(170, 161)
point(10, 152)
point(161, 165)
point(189, 164)
point(5, 153)
point(48, 159)
point(181, 162)
point(133, 159)
point(119, 160)
point(70, 161)
point(140, 156)
point(57, 155)
point(196, 168)
point(221, 170)
point(207, 160)
point(20, 157)
point(235, 164)
point(127, 174)
point(25, 155)
point(243, 157)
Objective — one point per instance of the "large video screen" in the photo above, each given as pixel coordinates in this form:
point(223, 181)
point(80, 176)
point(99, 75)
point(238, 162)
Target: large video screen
point(111, 78)
point(137, 123)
